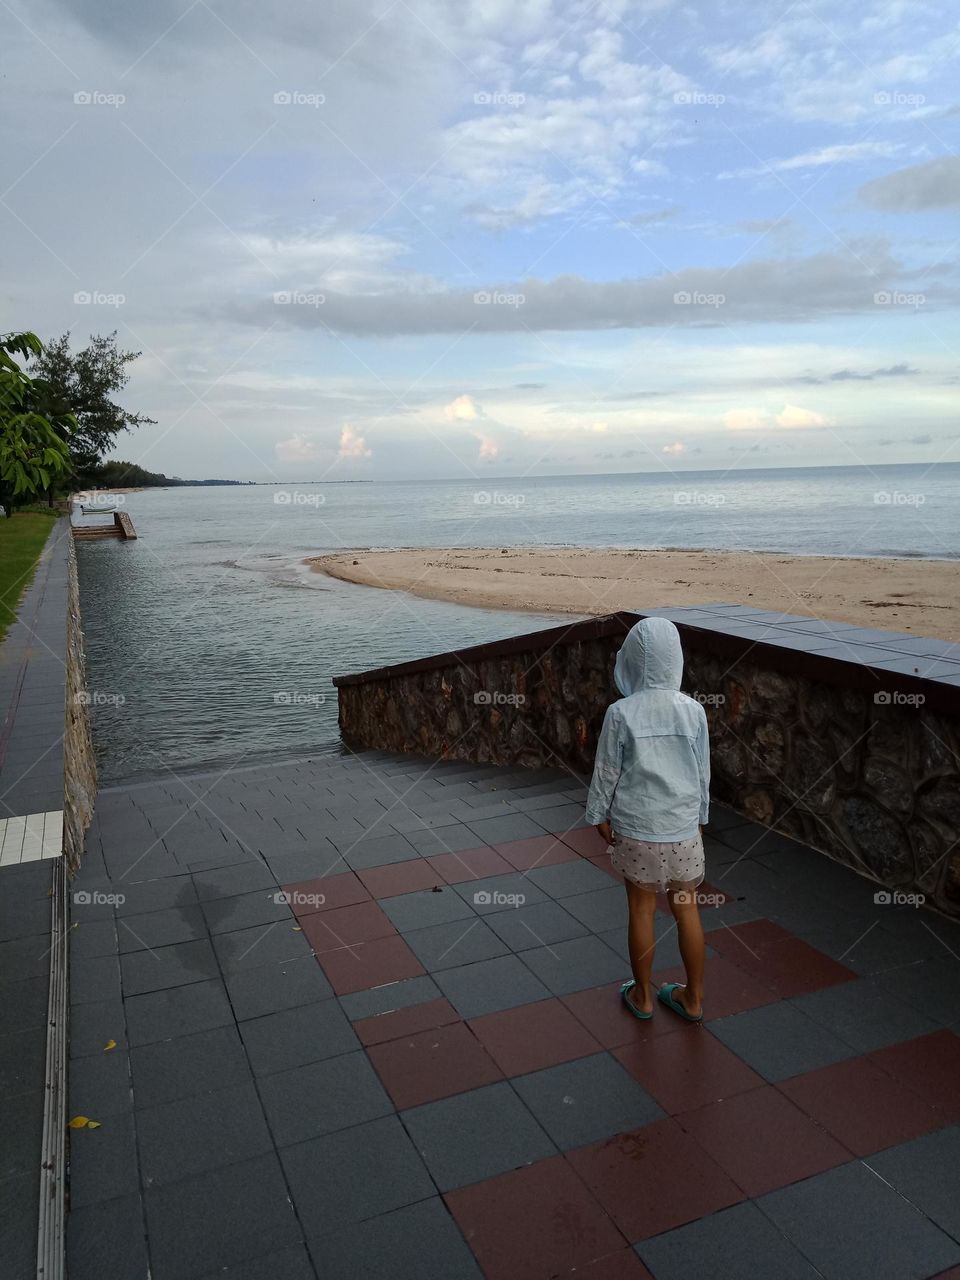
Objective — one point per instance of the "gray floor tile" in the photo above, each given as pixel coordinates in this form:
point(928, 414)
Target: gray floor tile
point(866, 1016)
point(275, 943)
point(567, 879)
point(106, 1241)
point(565, 967)
point(852, 1226)
point(393, 995)
point(225, 915)
point(268, 988)
point(296, 1037)
point(375, 851)
point(160, 928)
point(454, 837)
point(353, 1175)
point(601, 909)
point(779, 1041)
point(446, 946)
point(583, 1101)
point(192, 1135)
point(739, 1243)
point(322, 1097)
point(155, 895)
point(924, 1171)
point(167, 967)
point(494, 1133)
point(392, 1247)
point(287, 1264)
point(93, 938)
point(177, 1011)
point(426, 907)
point(538, 925)
point(513, 826)
point(23, 1004)
point(489, 986)
point(103, 1162)
point(500, 893)
point(246, 877)
point(99, 1085)
point(201, 1063)
point(222, 1217)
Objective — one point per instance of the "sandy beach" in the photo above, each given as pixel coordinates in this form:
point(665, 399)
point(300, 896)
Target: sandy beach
point(922, 596)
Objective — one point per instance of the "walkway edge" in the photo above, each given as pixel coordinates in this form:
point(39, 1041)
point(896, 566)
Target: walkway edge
point(50, 1231)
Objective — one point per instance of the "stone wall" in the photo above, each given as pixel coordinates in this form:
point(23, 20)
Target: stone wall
point(798, 744)
point(79, 767)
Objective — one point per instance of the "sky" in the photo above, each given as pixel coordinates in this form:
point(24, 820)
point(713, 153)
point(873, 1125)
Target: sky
point(381, 239)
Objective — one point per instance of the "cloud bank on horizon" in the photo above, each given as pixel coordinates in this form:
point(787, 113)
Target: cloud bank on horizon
point(403, 238)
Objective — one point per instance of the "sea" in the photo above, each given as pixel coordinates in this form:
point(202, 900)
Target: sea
point(210, 643)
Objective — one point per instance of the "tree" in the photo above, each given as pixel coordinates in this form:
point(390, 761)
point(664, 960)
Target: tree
point(34, 446)
point(82, 384)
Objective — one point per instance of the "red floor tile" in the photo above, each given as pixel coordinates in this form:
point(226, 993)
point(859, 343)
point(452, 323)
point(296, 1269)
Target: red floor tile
point(928, 1066)
point(601, 1011)
point(400, 877)
point(683, 1072)
point(405, 1022)
point(654, 1179)
point(777, 958)
point(307, 897)
point(469, 864)
point(728, 989)
point(533, 1036)
point(586, 840)
point(534, 1222)
point(862, 1106)
point(433, 1064)
point(602, 863)
point(624, 1265)
point(370, 964)
point(346, 926)
point(538, 851)
point(762, 1140)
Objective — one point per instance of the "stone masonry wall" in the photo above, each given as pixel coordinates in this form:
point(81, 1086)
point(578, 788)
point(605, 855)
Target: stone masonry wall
point(875, 786)
point(79, 767)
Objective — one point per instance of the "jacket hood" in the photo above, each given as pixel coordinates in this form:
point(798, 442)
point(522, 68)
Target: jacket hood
point(650, 657)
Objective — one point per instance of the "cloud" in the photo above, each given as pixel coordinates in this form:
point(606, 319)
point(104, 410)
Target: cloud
point(790, 417)
point(489, 449)
point(850, 375)
point(934, 185)
point(297, 448)
point(677, 447)
point(744, 419)
point(463, 409)
point(841, 153)
point(353, 446)
point(654, 217)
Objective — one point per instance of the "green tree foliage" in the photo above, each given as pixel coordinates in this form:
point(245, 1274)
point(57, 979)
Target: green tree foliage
point(84, 384)
point(34, 437)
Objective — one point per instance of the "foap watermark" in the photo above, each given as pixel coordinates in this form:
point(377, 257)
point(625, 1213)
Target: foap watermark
point(296, 698)
point(97, 98)
point(499, 98)
point(292, 498)
point(694, 498)
point(98, 698)
point(894, 698)
point(491, 498)
point(697, 98)
point(896, 98)
point(694, 298)
point(497, 298)
point(700, 897)
point(97, 898)
point(896, 498)
point(894, 298)
point(898, 898)
point(101, 499)
point(298, 98)
point(709, 699)
point(294, 898)
point(494, 698)
point(298, 298)
point(97, 298)
point(494, 898)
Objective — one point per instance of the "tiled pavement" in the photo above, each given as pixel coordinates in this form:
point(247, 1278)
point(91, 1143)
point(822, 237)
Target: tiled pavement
point(415, 1063)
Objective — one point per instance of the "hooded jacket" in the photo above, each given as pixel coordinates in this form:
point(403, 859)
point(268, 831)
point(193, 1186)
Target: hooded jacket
point(651, 777)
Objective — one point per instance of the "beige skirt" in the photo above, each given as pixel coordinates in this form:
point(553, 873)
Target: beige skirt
point(657, 865)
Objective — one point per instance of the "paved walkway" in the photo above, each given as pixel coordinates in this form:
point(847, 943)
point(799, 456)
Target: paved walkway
point(359, 1017)
point(32, 684)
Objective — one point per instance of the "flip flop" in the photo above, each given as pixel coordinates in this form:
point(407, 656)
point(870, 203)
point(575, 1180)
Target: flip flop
point(624, 996)
point(665, 996)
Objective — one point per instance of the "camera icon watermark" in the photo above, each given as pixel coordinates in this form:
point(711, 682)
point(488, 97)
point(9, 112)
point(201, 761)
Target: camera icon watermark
point(695, 98)
point(894, 298)
point(694, 498)
point(895, 498)
point(894, 698)
point(494, 898)
point(709, 699)
point(494, 698)
point(292, 498)
point(297, 298)
point(498, 298)
point(895, 98)
point(490, 498)
point(694, 298)
point(98, 698)
point(297, 98)
point(898, 898)
point(96, 898)
point(294, 898)
point(97, 98)
point(687, 896)
point(296, 698)
point(97, 298)
point(499, 98)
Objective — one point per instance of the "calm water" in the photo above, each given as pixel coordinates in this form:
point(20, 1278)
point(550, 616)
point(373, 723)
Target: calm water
point(209, 641)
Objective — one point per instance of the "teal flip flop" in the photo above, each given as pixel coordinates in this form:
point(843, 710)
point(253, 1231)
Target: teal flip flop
point(665, 996)
point(637, 1013)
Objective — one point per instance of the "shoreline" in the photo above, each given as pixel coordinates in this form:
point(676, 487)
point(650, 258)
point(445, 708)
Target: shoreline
point(895, 594)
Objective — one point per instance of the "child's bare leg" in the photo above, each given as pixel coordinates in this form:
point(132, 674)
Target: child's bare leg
point(641, 941)
point(683, 904)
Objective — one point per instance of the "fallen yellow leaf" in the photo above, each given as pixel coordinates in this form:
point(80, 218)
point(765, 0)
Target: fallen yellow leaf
point(83, 1122)
point(111, 1044)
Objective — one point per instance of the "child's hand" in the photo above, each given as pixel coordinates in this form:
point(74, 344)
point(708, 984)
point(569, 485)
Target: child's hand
point(605, 831)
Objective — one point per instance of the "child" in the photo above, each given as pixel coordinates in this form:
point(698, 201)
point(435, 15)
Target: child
point(649, 799)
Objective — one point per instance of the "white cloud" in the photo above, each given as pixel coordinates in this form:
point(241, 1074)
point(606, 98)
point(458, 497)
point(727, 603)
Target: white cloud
point(841, 153)
point(489, 449)
point(744, 419)
point(463, 409)
point(353, 446)
point(297, 448)
point(790, 416)
point(677, 447)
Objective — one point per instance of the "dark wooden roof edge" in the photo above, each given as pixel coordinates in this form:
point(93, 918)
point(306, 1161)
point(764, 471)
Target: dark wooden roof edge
point(834, 671)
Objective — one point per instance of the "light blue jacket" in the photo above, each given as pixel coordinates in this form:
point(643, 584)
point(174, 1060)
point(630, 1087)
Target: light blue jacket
point(651, 778)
